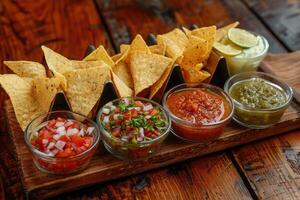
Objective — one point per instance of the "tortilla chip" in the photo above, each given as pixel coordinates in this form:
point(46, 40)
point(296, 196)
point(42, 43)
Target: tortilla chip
point(159, 48)
point(162, 81)
point(146, 69)
point(138, 44)
point(28, 69)
point(116, 57)
point(85, 87)
point(222, 32)
point(175, 41)
point(186, 31)
point(20, 90)
point(44, 91)
point(122, 89)
point(193, 75)
point(208, 34)
point(194, 53)
point(100, 54)
point(124, 47)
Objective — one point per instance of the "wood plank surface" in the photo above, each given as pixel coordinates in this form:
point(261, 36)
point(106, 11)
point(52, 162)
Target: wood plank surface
point(127, 18)
point(104, 167)
point(212, 177)
point(273, 166)
point(282, 17)
point(67, 26)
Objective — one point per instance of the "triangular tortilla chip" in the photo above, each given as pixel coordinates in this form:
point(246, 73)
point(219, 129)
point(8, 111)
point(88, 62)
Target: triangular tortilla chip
point(194, 53)
point(186, 31)
point(163, 79)
point(29, 99)
point(124, 47)
point(222, 32)
point(100, 54)
point(159, 48)
point(122, 89)
point(138, 44)
point(116, 57)
point(28, 69)
point(208, 34)
point(193, 75)
point(146, 69)
point(85, 87)
point(44, 91)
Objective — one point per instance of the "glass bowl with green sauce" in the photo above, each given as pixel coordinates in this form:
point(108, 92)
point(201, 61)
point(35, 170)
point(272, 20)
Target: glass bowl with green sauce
point(260, 99)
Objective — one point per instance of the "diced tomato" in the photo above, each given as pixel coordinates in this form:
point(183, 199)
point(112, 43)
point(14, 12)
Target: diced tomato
point(116, 132)
point(128, 128)
point(45, 134)
point(117, 121)
point(64, 138)
point(33, 142)
point(134, 112)
point(139, 103)
point(153, 111)
point(127, 116)
point(59, 119)
point(75, 125)
point(66, 153)
point(88, 141)
point(77, 140)
point(156, 133)
point(51, 123)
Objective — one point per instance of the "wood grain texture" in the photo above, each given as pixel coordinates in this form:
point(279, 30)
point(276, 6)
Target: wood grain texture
point(273, 166)
point(212, 177)
point(104, 167)
point(282, 17)
point(127, 18)
point(67, 26)
point(287, 67)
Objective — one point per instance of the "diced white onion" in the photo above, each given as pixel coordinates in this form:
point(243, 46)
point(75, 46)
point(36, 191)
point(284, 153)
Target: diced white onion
point(69, 123)
point(45, 142)
point(50, 153)
point(141, 131)
point(147, 107)
point(112, 107)
point(54, 151)
point(109, 104)
point(81, 132)
point(61, 130)
point(105, 111)
point(72, 131)
point(59, 124)
point(116, 116)
point(148, 116)
point(90, 130)
point(135, 108)
point(60, 144)
point(126, 101)
point(50, 145)
point(106, 119)
point(56, 136)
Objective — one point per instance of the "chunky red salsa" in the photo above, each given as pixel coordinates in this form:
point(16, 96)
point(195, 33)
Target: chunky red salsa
point(198, 106)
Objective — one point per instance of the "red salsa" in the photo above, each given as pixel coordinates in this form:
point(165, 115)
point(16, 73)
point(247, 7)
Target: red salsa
point(200, 109)
point(198, 106)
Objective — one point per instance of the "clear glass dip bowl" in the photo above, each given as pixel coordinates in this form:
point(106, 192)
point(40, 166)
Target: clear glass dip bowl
point(61, 166)
point(259, 118)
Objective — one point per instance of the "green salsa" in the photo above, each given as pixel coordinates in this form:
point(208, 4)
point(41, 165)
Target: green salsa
point(258, 93)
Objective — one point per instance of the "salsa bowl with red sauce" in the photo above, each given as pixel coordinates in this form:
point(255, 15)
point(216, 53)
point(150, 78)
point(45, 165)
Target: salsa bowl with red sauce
point(62, 142)
point(199, 112)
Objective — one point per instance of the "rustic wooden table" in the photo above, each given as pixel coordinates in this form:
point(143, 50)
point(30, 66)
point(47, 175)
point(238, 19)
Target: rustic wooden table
point(269, 169)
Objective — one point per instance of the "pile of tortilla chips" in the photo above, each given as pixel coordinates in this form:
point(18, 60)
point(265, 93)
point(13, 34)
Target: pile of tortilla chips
point(138, 70)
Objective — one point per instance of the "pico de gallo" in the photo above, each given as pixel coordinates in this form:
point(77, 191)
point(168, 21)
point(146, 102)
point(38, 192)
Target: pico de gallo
point(134, 128)
point(63, 138)
point(133, 121)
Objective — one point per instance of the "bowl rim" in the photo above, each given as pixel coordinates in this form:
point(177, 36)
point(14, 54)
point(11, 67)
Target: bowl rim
point(107, 134)
point(262, 53)
point(250, 75)
point(198, 86)
point(46, 156)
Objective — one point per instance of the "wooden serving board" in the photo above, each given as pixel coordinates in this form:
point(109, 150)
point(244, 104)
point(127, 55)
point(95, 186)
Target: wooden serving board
point(104, 167)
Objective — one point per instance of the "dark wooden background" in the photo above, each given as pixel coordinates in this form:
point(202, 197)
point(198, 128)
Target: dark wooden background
point(269, 169)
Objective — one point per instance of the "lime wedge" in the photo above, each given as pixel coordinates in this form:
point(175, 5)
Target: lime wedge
point(242, 37)
point(226, 50)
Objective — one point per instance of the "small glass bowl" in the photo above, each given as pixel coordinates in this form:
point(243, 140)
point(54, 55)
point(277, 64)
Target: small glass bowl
point(61, 166)
point(198, 132)
point(258, 118)
point(128, 151)
point(236, 64)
